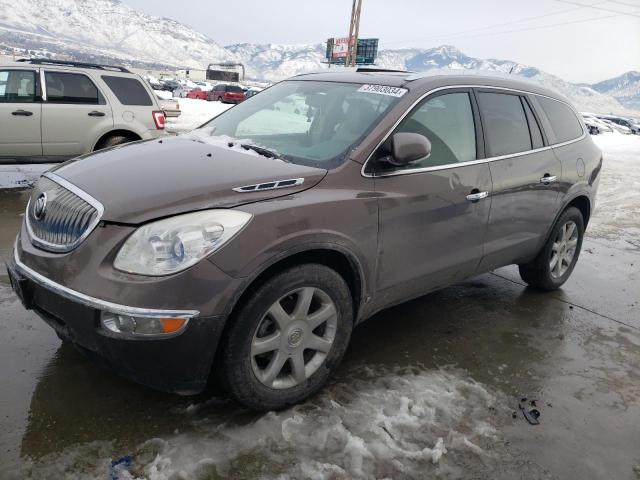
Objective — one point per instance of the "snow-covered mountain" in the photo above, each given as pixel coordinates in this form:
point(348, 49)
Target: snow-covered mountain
point(625, 88)
point(275, 62)
point(109, 31)
point(104, 29)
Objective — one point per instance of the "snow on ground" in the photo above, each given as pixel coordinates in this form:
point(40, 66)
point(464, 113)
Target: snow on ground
point(379, 423)
point(163, 94)
point(618, 208)
point(21, 176)
point(194, 113)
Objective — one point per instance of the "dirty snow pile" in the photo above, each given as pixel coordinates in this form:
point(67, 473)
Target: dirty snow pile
point(405, 423)
point(194, 113)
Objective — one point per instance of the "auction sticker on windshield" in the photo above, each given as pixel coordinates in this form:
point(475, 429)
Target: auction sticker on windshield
point(383, 90)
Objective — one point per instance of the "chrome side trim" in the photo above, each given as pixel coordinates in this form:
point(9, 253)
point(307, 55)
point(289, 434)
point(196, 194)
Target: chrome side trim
point(276, 184)
point(472, 162)
point(93, 302)
point(53, 247)
point(43, 85)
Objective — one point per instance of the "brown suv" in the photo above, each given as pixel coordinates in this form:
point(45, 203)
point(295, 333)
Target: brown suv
point(249, 248)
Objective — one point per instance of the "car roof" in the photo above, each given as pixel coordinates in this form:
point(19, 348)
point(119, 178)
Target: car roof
point(431, 80)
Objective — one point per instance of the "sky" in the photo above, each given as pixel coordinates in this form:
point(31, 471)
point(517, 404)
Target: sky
point(578, 40)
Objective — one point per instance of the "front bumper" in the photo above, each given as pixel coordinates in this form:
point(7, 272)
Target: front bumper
point(175, 363)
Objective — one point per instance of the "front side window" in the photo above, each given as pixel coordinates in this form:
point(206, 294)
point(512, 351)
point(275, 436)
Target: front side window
point(505, 124)
point(563, 120)
point(128, 91)
point(447, 121)
point(17, 86)
point(307, 122)
point(65, 87)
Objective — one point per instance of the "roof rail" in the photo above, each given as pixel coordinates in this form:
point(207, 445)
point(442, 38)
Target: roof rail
point(379, 70)
point(47, 61)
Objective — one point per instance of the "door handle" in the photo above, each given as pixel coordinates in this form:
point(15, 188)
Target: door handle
point(95, 113)
point(547, 179)
point(475, 195)
point(23, 113)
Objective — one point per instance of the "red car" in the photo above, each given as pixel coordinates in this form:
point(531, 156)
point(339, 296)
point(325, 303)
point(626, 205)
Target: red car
point(197, 93)
point(226, 93)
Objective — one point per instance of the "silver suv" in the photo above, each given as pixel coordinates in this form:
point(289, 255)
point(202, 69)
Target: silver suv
point(53, 110)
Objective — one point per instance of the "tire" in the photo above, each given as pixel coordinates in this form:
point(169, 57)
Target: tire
point(245, 373)
point(220, 99)
point(564, 242)
point(114, 140)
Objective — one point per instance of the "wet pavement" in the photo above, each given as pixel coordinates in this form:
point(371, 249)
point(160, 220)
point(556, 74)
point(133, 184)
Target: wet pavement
point(428, 388)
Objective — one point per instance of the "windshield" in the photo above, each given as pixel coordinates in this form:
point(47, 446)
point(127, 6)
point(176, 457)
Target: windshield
point(305, 122)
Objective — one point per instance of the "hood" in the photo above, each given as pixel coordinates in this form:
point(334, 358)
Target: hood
point(157, 178)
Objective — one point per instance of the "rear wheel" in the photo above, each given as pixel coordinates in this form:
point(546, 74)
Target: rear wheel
point(288, 338)
point(557, 259)
point(113, 140)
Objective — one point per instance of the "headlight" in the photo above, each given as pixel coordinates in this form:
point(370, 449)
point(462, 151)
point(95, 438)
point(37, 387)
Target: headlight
point(174, 244)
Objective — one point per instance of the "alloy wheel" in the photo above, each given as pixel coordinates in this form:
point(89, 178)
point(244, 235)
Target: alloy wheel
point(563, 249)
point(294, 338)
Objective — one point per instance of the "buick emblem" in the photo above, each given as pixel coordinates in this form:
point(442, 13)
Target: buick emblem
point(40, 207)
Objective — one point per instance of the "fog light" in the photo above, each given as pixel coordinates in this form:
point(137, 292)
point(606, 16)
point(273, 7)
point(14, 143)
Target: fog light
point(126, 324)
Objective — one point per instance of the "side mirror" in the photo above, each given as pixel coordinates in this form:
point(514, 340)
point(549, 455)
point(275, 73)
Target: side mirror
point(408, 147)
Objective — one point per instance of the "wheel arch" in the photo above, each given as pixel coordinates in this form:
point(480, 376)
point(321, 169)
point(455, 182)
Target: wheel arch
point(333, 256)
point(119, 132)
point(582, 203)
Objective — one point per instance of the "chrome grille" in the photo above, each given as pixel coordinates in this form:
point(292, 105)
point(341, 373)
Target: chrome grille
point(60, 215)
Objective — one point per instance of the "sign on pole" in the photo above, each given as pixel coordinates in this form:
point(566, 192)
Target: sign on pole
point(340, 47)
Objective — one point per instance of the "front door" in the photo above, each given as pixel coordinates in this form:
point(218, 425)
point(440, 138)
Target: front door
point(74, 115)
point(20, 111)
point(433, 213)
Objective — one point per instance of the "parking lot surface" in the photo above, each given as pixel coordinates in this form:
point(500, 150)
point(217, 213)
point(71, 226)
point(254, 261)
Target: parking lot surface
point(430, 388)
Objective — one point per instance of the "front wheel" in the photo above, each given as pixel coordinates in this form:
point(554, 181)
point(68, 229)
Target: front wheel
point(557, 259)
point(288, 338)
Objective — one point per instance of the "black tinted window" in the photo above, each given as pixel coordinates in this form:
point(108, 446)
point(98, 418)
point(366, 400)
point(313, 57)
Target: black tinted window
point(233, 88)
point(504, 122)
point(447, 121)
point(564, 122)
point(70, 88)
point(17, 86)
point(534, 127)
point(129, 91)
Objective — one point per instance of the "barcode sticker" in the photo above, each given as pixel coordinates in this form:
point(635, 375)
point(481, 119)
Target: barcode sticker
point(383, 90)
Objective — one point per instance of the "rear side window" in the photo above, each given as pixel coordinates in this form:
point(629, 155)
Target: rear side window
point(233, 88)
point(564, 122)
point(65, 87)
point(128, 91)
point(534, 127)
point(17, 86)
point(447, 121)
point(505, 124)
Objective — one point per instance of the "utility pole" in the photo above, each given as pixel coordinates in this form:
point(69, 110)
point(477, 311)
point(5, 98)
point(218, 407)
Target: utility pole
point(354, 28)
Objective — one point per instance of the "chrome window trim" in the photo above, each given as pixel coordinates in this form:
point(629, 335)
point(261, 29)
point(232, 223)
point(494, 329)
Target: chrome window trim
point(93, 302)
point(472, 162)
point(53, 247)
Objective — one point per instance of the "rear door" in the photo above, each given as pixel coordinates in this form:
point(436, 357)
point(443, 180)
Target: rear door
point(525, 175)
point(75, 114)
point(20, 113)
point(430, 232)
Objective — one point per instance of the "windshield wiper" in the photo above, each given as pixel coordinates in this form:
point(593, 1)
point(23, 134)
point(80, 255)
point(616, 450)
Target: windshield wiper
point(261, 150)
